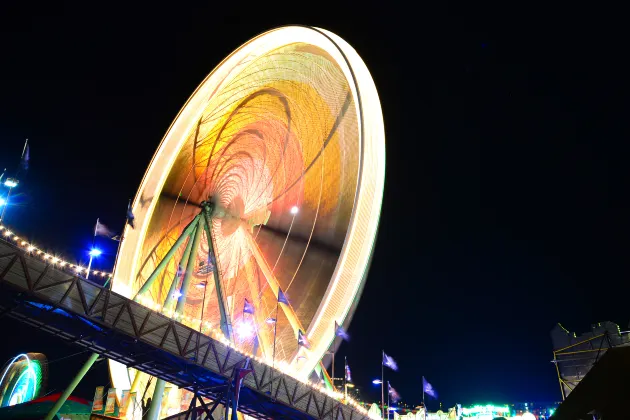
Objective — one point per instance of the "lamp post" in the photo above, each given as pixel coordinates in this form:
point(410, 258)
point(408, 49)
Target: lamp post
point(203, 285)
point(94, 252)
point(380, 382)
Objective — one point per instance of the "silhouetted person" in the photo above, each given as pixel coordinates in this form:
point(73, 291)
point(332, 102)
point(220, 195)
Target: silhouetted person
point(145, 408)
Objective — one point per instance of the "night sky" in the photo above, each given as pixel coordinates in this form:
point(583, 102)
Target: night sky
point(505, 207)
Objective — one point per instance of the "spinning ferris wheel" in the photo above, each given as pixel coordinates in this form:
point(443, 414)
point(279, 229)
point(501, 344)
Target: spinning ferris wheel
point(268, 182)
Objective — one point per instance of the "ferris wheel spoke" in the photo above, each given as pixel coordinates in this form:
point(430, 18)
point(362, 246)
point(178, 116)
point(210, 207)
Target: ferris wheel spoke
point(273, 283)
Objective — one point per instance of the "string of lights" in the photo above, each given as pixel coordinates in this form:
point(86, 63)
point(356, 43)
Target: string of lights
point(9, 236)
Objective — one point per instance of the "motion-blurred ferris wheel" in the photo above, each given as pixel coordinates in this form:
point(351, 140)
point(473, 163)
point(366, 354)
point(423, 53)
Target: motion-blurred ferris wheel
point(269, 181)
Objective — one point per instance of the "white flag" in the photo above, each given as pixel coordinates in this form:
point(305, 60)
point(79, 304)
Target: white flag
point(102, 230)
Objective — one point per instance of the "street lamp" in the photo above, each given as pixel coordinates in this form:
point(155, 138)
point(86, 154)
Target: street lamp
point(10, 183)
point(245, 330)
point(377, 382)
point(94, 252)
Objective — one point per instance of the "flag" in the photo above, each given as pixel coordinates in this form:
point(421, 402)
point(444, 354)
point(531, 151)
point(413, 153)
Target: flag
point(242, 373)
point(341, 332)
point(282, 298)
point(395, 397)
point(102, 230)
point(130, 216)
point(97, 405)
point(26, 156)
point(248, 308)
point(389, 362)
point(302, 341)
point(110, 404)
point(124, 403)
point(428, 389)
point(348, 373)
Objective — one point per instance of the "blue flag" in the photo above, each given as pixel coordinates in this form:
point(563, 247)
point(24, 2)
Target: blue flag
point(26, 157)
point(395, 396)
point(389, 362)
point(248, 308)
point(302, 341)
point(130, 216)
point(282, 297)
point(340, 332)
point(428, 389)
point(348, 373)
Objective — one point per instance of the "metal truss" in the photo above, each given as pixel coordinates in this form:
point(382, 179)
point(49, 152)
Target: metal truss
point(90, 315)
point(573, 362)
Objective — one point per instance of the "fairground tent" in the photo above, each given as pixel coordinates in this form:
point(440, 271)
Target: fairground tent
point(73, 409)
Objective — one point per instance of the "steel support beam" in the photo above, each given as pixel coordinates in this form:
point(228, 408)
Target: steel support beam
point(68, 391)
point(162, 264)
point(226, 325)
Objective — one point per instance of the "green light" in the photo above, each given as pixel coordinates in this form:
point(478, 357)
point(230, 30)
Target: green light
point(21, 381)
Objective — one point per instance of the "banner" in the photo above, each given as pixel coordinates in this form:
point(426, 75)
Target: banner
point(110, 405)
point(165, 401)
point(185, 400)
point(124, 403)
point(97, 405)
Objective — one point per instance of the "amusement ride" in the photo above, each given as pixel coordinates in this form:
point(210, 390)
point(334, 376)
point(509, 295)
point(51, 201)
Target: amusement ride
point(256, 219)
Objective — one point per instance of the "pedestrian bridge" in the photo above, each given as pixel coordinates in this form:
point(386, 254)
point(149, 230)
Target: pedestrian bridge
point(38, 291)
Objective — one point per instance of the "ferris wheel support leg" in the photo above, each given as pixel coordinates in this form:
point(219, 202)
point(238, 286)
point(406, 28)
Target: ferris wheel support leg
point(156, 401)
point(180, 269)
point(185, 234)
point(226, 325)
point(190, 267)
point(66, 393)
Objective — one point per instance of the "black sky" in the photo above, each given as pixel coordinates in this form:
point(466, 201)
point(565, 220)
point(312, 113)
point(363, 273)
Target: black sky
point(505, 207)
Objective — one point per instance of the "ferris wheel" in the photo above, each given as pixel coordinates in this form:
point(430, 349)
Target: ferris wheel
point(266, 188)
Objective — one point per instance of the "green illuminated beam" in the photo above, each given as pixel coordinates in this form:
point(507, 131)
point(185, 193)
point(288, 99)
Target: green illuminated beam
point(66, 393)
point(180, 269)
point(190, 267)
point(226, 325)
point(185, 234)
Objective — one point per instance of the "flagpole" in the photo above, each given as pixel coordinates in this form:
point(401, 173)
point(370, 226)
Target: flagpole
point(382, 384)
point(275, 330)
point(423, 403)
point(345, 377)
point(388, 390)
point(122, 236)
point(333, 366)
point(87, 273)
point(24, 150)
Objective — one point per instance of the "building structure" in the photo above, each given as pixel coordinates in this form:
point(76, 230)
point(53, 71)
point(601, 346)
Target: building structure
point(574, 355)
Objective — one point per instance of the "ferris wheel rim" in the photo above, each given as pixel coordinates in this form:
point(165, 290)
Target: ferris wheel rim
point(356, 91)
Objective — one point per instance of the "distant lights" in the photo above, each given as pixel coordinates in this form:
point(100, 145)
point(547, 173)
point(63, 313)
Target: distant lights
point(11, 183)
